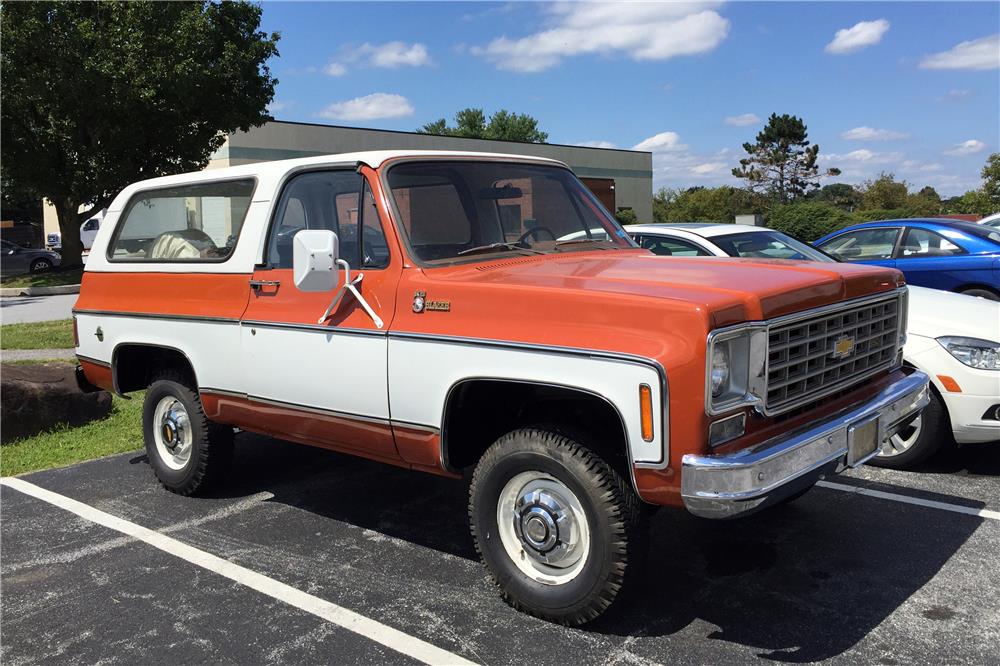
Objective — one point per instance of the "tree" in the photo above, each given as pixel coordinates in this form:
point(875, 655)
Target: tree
point(991, 180)
point(925, 203)
point(883, 192)
point(782, 163)
point(97, 95)
point(808, 221)
point(702, 204)
point(841, 195)
point(502, 126)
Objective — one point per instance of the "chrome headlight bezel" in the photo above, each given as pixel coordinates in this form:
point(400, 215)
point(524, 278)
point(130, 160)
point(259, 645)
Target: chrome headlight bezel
point(981, 354)
point(744, 348)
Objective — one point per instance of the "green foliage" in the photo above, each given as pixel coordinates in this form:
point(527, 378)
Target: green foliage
point(925, 203)
point(840, 195)
point(808, 221)
point(626, 216)
point(781, 164)
point(99, 94)
point(702, 204)
point(877, 214)
point(973, 202)
point(502, 126)
point(991, 180)
point(883, 192)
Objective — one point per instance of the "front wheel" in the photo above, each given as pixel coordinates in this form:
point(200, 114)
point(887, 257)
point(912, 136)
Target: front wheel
point(557, 528)
point(186, 451)
point(40, 266)
point(978, 292)
point(919, 440)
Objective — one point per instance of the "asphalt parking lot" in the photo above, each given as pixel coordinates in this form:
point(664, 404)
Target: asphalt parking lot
point(350, 562)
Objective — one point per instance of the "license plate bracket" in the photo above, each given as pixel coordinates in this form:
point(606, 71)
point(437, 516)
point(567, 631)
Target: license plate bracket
point(862, 440)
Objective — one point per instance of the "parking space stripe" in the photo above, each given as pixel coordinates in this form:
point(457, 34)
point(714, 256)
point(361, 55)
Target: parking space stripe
point(371, 629)
point(895, 497)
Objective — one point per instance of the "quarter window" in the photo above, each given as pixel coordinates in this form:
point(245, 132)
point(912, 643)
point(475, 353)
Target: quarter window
point(862, 245)
point(672, 247)
point(200, 222)
point(923, 243)
point(340, 201)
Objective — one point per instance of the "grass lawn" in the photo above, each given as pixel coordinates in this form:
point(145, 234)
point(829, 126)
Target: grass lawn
point(120, 432)
point(56, 334)
point(53, 278)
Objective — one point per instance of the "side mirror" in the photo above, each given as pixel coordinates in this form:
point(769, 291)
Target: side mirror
point(314, 260)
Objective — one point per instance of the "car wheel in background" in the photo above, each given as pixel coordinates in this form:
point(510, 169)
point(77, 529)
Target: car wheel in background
point(557, 528)
point(980, 292)
point(916, 443)
point(40, 266)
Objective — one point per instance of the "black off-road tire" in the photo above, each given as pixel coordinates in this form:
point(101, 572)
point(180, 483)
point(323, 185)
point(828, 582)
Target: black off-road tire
point(935, 436)
point(614, 519)
point(212, 443)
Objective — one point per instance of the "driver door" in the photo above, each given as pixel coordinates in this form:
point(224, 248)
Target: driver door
point(323, 383)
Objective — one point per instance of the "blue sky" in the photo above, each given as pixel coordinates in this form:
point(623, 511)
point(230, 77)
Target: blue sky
point(909, 88)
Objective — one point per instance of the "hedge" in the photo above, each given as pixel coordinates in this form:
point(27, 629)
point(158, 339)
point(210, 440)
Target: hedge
point(808, 221)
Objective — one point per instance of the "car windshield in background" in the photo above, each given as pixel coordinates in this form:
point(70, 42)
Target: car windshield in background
point(768, 245)
point(461, 211)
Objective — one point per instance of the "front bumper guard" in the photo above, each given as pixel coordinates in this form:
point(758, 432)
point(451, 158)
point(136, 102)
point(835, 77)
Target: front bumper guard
point(731, 485)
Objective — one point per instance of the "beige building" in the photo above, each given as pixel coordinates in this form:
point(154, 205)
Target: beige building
point(620, 178)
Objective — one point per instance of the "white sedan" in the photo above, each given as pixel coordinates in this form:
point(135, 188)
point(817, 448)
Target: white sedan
point(955, 339)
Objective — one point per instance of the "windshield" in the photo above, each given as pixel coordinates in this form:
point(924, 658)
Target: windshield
point(466, 211)
point(768, 245)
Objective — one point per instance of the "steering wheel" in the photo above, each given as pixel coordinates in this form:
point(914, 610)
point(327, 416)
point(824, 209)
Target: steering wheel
point(533, 231)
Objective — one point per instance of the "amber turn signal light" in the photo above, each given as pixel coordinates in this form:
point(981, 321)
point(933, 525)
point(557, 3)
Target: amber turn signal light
point(646, 411)
point(950, 384)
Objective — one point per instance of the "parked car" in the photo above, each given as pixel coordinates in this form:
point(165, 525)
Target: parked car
point(963, 257)
point(991, 221)
point(944, 332)
point(88, 232)
point(15, 259)
point(575, 379)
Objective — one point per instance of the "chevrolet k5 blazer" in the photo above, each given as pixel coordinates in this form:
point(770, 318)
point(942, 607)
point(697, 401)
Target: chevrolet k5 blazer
point(450, 312)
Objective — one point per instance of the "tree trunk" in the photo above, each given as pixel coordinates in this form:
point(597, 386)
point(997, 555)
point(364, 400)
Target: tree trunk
point(67, 212)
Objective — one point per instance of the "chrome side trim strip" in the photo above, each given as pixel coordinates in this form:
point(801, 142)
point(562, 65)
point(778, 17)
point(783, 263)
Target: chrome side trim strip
point(619, 357)
point(416, 426)
point(151, 315)
point(312, 327)
point(88, 359)
point(232, 394)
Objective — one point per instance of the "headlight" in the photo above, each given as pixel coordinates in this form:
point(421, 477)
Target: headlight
point(720, 369)
point(973, 352)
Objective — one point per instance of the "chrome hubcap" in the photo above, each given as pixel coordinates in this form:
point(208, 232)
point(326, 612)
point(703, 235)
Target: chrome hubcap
point(543, 527)
point(172, 432)
point(901, 441)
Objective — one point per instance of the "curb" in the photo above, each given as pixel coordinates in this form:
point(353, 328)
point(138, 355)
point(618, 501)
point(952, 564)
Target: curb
point(40, 291)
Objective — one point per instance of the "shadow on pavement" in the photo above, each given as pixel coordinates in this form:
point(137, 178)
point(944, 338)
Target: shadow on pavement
point(800, 583)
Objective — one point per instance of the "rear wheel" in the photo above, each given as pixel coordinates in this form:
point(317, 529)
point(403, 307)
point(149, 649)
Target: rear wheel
point(557, 528)
point(187, 452)
point(980, 292)
point(918, 441)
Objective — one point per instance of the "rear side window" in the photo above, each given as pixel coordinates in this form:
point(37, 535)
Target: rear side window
point(923, 243)
point(194, 223)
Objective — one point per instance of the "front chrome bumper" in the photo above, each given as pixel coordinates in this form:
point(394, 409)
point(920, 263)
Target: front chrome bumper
point(731, 485)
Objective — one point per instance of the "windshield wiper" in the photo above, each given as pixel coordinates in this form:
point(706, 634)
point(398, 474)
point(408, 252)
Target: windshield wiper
point(576, 241)
point(513, 247)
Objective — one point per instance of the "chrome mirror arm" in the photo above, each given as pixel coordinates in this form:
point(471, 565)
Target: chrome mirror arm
point(351, 286)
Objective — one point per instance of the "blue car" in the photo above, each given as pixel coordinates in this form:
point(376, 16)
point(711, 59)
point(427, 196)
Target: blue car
point(941, 254)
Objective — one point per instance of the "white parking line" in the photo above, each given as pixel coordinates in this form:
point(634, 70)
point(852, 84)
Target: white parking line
point(944, 506)
point(342, 617)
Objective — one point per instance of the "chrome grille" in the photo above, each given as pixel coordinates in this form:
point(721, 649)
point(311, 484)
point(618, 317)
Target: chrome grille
point(803, 359)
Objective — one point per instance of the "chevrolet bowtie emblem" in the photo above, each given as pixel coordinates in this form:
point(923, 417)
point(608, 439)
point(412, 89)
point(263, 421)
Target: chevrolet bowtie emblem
point(843, 347)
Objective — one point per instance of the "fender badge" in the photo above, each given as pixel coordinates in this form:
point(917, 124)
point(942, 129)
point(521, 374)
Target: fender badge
point(418, 301)
point(440, 306)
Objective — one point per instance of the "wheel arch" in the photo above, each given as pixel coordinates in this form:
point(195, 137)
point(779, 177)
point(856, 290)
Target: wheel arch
point(134, 364)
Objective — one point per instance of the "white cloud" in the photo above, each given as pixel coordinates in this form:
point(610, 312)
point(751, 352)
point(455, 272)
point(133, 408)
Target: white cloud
point(642, 31)
point(954, 95)
point(596, 144)
point(369, 107)
point(983, 53)
point(862, 155)
point(389, 55)
point(396, 54)
point(709, 168)
point(335, 69)
point(970, 147)
point(871, 134)
point(743, 120)
point(857, 37)
point(276, 106)
point(662, 142)
point(915, 166)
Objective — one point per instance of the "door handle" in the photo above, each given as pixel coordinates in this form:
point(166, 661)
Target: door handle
point(257, 285)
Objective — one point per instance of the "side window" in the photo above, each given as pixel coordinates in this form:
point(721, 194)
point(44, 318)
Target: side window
point(863, 244)
point(336, 200)
point(672, 247)
point(91, 225)
point(923, 243)
point(200, 222)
